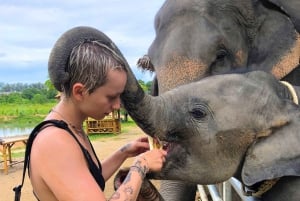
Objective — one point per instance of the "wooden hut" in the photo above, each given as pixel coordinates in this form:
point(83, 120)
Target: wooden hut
point(110, 124)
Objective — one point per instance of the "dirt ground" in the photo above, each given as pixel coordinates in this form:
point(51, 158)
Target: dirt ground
point(103, 148)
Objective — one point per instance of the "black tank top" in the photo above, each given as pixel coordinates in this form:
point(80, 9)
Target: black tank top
point(94, 170)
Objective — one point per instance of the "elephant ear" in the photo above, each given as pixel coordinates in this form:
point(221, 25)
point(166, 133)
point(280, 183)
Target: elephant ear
point(274, 156)
point(291, 8)
point(279, 56)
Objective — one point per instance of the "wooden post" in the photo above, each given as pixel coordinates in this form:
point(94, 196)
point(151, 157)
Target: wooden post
point(7, 144)
point(109, 124)
point(5, 167)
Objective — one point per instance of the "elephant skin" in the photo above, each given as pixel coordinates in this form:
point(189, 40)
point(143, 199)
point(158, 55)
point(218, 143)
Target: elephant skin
point(199, 38)
point(209, 141)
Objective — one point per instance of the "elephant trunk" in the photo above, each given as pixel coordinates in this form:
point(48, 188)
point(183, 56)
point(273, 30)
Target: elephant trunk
point(143, 108)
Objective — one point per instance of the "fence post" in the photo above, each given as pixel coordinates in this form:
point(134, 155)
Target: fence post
point(202, 193)
point(214, 193)
point(238, 188)
point(227, 187)
point(227, 193)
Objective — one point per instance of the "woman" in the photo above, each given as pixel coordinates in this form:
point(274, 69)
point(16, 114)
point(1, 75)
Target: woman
point(89, 71)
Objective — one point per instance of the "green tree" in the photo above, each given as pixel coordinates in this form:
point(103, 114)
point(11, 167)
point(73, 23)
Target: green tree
point(142, 84)
point(14, 98)
point(51, 91)
point(29, 93)
point(145, 86)
point(39, 98)
point(149, 86)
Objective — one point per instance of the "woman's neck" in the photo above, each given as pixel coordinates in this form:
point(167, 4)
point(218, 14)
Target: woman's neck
point(69, 112)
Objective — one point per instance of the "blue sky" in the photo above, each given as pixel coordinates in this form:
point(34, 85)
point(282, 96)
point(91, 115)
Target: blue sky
point(29, 29)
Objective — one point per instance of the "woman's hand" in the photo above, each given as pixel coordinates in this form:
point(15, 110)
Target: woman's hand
point(136, 147)
point(149, 160)
point(153, 159)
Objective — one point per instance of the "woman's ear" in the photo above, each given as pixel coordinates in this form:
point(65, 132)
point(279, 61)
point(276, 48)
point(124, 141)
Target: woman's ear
point(78, 91)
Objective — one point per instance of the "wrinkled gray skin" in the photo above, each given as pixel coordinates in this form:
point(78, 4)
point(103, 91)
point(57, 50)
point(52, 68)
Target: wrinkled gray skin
point(210, 141)
point(200, 38)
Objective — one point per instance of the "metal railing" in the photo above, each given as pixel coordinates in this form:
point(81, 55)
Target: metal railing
point(227, 187)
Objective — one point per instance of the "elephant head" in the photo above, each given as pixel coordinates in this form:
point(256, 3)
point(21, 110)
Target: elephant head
point(210, 124)
point(199, 38)
point(234, 125)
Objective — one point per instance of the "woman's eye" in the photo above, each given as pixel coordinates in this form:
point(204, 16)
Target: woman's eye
point(111, 98)
point(198, 113)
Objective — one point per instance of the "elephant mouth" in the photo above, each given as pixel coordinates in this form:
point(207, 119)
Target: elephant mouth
point(156, 143)
point(176, 158)
point(169, 146)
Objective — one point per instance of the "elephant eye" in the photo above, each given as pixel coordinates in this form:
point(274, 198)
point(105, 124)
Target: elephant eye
point(198, 113)
point(221, 54)
point(222, 62)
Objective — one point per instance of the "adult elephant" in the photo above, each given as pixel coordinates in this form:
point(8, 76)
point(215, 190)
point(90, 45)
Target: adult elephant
point(200, 38)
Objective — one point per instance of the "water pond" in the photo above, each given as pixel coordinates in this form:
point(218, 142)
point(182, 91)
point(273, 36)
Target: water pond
point(13, 132)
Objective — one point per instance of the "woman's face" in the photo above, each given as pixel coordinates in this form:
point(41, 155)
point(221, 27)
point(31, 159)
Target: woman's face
point(106, 98)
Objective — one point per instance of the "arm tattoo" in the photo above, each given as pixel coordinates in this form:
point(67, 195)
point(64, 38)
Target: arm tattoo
point(125, 147)
point(141, 169)
point(128, 190)
point(115, 196)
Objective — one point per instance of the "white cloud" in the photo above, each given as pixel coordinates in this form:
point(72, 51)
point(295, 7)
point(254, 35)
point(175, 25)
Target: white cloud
point(29, 28)
point(21, 55)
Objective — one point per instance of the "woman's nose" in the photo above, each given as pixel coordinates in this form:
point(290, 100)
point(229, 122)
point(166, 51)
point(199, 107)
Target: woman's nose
point(117, 104)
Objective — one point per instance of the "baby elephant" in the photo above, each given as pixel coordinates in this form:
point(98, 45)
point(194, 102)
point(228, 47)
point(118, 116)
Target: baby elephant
point(234, 125)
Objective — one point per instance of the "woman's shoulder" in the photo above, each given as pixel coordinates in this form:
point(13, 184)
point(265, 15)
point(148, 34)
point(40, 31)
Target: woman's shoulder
point(52, 138)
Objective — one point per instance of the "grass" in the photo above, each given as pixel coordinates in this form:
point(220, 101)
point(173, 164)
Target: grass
point(23, 115)
point(126, 126)
point(18, 154)
point(98, 136)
